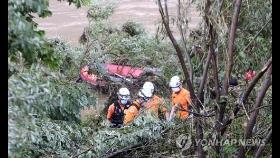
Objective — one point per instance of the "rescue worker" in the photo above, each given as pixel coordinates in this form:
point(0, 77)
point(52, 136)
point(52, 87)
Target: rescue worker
point(154, 104)
point(148, 102)
point(116, 110)
point(181, 99)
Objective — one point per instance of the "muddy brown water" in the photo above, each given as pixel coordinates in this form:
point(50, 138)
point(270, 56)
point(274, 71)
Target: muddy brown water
point(67, 22)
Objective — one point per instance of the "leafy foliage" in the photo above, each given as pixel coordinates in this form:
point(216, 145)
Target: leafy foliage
point(23, 35)
point(39, 100)
point(52, 116)
point(132, 28)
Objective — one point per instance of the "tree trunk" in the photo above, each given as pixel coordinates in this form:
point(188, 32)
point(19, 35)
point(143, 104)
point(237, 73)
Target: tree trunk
point(265, 141)
point(216, 78)
point(204, 76)
point(231, 40)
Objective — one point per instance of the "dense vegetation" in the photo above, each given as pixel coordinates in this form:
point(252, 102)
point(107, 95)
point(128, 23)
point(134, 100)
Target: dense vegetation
point(49, 115)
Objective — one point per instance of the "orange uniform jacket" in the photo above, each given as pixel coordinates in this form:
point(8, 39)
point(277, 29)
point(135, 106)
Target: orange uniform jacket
point(183, 98)
point(111, 110)
point(154, 105)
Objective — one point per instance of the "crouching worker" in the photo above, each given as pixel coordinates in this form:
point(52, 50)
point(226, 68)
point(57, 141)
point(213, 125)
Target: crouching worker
point(146, 101)
point(181, 99)
point(116, 111)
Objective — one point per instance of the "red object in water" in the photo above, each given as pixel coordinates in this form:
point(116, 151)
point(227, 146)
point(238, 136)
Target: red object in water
point(250, 75)
point(125, 71)
point(115, 71)
point(90, 78)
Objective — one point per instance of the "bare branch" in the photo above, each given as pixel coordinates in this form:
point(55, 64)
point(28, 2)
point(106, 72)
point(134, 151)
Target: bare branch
point(256, 35)
point(180, 23)
point(166, 12)
point(210, 53)
point(252, 121)
point(240, 115)
point(255, 80)
point(211, 34)
point(267, 83)
point(124, 150)
point(246, 94)
point(216, 78)
point(204, 76)
point(178, 50)
point(261, 147)
point(231, 45)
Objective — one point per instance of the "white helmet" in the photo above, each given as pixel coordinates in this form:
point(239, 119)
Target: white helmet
point(124, 93)
point(175, 83)
point(149, 85)
point(145, 93)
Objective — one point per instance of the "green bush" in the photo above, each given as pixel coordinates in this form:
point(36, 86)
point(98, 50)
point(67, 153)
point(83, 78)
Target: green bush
point(132, 28)
point(36, 95)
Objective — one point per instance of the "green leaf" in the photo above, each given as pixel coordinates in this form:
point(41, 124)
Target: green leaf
point(242, 54)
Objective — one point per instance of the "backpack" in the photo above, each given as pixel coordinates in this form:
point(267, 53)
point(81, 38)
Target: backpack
point(118, 115)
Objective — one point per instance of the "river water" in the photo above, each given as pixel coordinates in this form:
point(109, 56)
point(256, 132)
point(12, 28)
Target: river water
point(68, 22)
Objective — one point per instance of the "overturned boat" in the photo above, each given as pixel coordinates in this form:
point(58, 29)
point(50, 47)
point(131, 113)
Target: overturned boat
point(102, 75)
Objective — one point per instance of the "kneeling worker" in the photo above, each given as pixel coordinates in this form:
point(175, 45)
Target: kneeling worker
point(116, 110)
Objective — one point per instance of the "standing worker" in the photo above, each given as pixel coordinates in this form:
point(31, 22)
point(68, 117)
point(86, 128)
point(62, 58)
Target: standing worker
point(116, 110)
point(181, 99)
point(147, 100)
point(155, 104)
